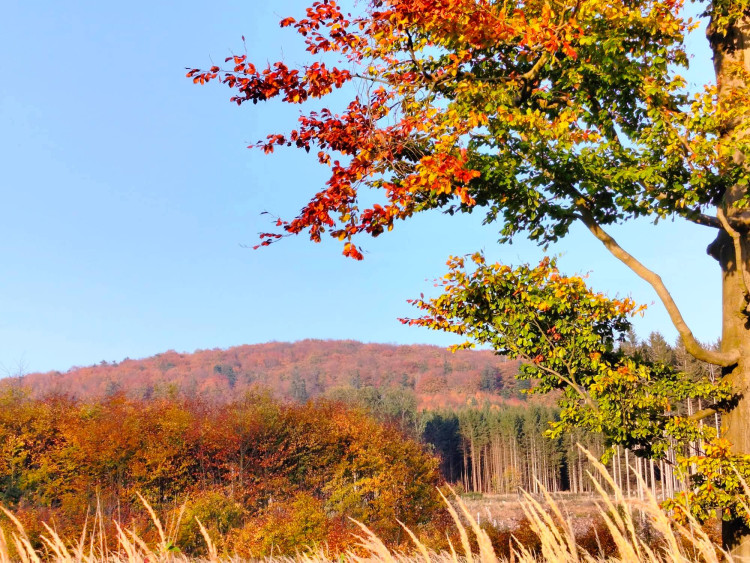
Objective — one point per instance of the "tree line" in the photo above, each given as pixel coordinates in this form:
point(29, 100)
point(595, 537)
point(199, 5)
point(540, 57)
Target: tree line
point(499, 449)
point(263, 475)
point(292, 371)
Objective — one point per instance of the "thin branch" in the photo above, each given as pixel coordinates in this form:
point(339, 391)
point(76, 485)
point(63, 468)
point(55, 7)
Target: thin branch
point(738, 256)
point(417, 63)
point(584, 395)
point(568, 380)
point(694, 348)
point(703, 413)
point(702, 219)
point(534, 72)
point(371, 79)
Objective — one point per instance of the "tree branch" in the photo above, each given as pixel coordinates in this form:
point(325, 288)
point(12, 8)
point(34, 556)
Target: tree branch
point(701, 414)
point(738, 256)
point(703, 219)
point(569, 381)
point(371, 78)
point(532, 74)
point(694, 348)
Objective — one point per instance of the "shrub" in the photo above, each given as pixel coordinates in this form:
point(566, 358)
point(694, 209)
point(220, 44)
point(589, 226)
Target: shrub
point(218, 512)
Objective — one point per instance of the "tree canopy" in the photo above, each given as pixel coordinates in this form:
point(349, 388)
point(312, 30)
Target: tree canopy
point(537, 114)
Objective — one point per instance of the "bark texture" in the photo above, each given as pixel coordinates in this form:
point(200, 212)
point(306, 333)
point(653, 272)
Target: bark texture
point(732, 249)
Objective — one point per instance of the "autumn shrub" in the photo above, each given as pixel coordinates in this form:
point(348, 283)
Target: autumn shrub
point(218, 512)
point(597, 539)
point(257, 472)
point(284, 528)
point(505, 539)
point(525, 535)
point(501, 539)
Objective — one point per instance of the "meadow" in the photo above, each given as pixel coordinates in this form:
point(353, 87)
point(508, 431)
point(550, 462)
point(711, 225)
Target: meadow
point(633, 531)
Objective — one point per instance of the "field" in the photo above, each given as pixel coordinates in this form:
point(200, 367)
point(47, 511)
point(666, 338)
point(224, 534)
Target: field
point(506, 511)
point(637, 531)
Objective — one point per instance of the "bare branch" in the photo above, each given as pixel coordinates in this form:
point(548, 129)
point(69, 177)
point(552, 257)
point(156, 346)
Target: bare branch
point(694, 348)
point(371, 78)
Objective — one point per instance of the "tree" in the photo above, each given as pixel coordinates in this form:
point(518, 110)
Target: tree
point(299, 387)
point(539, 114)
point(287, 472)
point(659, 350)
point(491, 380)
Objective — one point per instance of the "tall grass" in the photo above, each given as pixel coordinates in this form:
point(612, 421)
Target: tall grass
point(671, 542)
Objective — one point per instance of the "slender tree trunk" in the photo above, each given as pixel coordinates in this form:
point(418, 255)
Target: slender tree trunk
point(627, 472)
point(670, 473)
point(466, 468)
point(617, 469)
point(517, 464)
point(572, 468)
point(653, 477)
point(581, 482)
point(661, 478)
point(639, 467)
point(475, 467)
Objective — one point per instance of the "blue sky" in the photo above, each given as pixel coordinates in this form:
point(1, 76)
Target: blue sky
point(127, 194)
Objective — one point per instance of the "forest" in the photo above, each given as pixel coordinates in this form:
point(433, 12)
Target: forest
point(262, 475)
point(272, 473)
point(296, 371)
point(498, 450)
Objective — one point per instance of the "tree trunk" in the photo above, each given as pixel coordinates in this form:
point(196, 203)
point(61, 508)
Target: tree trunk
point(730, 49)
point(661, 480)
point(735, 535)
point(627, 472)
point(653, 476)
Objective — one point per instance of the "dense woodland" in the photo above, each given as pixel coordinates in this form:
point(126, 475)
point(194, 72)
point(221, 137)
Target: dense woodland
point(263, 475)
point(297, 371)
point(499, 449)
point(280, 471)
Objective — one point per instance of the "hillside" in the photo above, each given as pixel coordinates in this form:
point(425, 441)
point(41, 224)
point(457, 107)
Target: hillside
point(299, 370)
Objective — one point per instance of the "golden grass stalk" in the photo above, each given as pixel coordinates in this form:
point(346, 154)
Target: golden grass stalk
point(461, 530)
point(4, 557)
point(213, 554)
point(163, 542)
point(372, 544)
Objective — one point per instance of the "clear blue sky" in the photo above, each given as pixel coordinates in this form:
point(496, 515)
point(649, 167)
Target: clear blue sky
point(126, 194)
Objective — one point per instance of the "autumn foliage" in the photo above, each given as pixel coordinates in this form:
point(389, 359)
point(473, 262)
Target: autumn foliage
point(536, 113)
point(295, 371)
point(258, 473)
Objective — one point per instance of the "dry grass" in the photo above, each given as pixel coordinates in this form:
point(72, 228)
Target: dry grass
point(557, 540)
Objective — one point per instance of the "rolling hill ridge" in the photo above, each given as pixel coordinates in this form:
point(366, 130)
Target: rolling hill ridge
point(297, 371)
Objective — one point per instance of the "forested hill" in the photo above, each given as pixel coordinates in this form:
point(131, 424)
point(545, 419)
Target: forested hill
point(297, 371)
